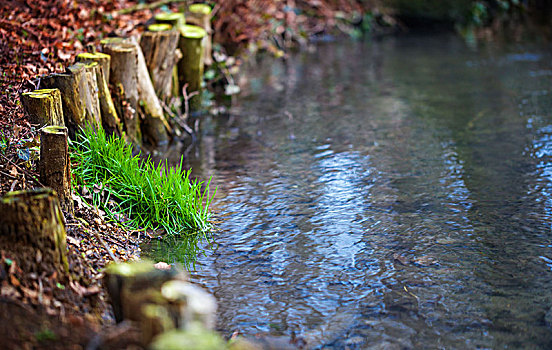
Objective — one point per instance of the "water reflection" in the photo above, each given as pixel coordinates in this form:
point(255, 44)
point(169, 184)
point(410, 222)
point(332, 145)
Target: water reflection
point(393, 194)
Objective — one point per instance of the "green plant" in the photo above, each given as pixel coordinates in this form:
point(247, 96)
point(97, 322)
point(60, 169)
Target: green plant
point(138, 193)
point(44, 335)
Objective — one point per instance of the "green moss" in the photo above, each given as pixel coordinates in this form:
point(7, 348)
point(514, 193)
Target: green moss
point(86, 56)
point(41, 93)
point(173, 18)
point(55, 129)
point(200, 8)
point(193, 338)
point(130, 268)
point(192, 32)
point(159, 27)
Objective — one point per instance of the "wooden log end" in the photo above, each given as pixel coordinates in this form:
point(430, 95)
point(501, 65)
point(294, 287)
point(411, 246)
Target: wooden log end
point(32, 221)
point(55, 129)
point(160, 27)
point(203, 9)
point(92, 56)
point(43, 106)
point(192, 32)
point(174, 18)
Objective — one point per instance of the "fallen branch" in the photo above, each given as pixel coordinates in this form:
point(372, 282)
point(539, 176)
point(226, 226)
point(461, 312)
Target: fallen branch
point(153, 5)
point(22, 170)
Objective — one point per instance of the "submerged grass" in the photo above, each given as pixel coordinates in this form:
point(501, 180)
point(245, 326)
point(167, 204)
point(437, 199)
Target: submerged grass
point(146, 195)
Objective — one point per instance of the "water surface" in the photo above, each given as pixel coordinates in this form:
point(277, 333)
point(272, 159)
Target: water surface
point(387, 194)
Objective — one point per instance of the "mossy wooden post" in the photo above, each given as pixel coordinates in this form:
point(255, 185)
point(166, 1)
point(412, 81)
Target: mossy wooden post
point(200, 15)
point(31, 228)
point(89, 93)
point(54, 165)
point(133, 285)
point(159, 45)
point(78, 88)
point(175, 19)
point(43, 107)
point(190, 67)
point(189, 304)
point(122, 75)
point(156, 128)
point(110, 120)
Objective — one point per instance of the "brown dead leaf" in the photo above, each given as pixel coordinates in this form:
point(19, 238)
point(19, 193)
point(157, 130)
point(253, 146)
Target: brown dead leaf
point(14, 281)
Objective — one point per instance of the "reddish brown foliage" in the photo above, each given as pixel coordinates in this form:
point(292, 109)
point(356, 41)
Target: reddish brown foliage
point(239, 22)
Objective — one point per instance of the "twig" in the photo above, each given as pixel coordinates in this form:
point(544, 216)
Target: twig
point(99, 238)
point(177, 119)
point(21, 169)
point(150, 6)
point(13, 185)
point(8, 175)
point(187, 98)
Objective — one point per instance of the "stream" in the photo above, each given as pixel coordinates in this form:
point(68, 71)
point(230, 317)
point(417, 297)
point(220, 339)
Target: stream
point(386, 194)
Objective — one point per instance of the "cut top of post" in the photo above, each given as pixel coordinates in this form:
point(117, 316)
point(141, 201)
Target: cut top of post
point(40, 93)
point(170, 17)
point(160, 27)
point(25, 196)
point(192, 32)
point(54, 129)
point(93, 55)
point(203, 9)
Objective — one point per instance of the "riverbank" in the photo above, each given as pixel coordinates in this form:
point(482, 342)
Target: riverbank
point(45, 42)
point(41, 38)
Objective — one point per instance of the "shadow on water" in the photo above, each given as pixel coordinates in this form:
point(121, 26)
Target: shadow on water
point(391, 194)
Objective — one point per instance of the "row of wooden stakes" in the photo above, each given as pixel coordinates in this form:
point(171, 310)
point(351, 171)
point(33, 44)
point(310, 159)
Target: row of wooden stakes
point(126, 87)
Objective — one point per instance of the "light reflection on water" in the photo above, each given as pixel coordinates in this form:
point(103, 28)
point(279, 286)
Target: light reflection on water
point(396, 194)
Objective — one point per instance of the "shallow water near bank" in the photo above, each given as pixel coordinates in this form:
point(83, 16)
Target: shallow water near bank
point(386, 194)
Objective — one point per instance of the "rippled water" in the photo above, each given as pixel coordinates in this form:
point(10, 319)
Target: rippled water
point(391, 194)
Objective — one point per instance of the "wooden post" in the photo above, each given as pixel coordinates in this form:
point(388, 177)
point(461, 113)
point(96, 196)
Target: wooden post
point(54, 165)
point(189, 304)
point(124, 62)
point(78, 89)
point(110, 120)
point(103, 60)
point(175, 19)
point(31, 228)
point(159, 45)
point(190, 67)
point(132, 285)
point(200, 15)
point(43, 107)
point(155, 124)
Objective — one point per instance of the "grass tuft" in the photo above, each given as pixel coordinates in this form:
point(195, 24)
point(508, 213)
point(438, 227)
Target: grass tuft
point(140, 194)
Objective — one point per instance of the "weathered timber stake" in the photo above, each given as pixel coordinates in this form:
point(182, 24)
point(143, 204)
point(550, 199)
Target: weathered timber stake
point(190, 67)
point(159, 45)
point(78, 89)
point(31, 228)
point(124, 62)
point(175, 19)
point(197, 338)
point(54, 165)
point(110, 120)
point(103, 60)
point(43, 107)
point(132, 285)
point(200, 15)
point(189, 303)
point(91, 97)
point(155, 124)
